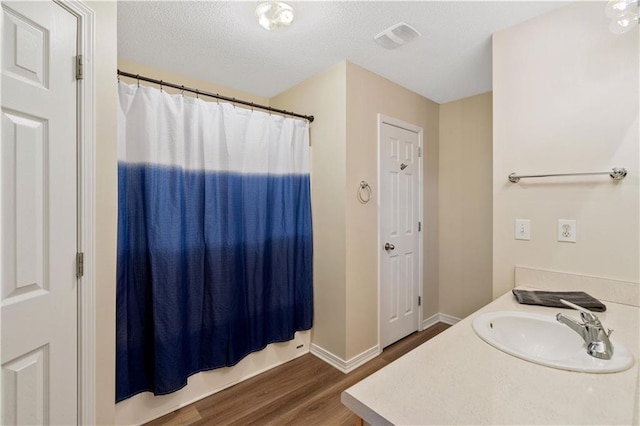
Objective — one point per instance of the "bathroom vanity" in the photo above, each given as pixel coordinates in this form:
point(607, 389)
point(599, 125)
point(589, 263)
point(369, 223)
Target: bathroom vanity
point(457, 378)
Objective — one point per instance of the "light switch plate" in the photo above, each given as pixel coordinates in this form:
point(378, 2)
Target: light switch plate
point(567, 230)
point(523, 229)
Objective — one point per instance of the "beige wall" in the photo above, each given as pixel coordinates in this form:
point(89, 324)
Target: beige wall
point(569, 104)
point(106, 197)
point(324, 96)
point(566, 100)
point(465, 204)
point(346, 100)
point(368, 95)
point(158, 74)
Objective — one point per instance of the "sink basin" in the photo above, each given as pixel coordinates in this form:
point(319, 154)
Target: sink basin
point(542, 340)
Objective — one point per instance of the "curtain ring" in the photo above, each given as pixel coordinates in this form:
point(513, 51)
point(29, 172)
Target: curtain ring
point(233, 102)
point(197, 94)
point(138, 78)
point(182, 91)
point(118, 78)
point(161, 85)
point(251, 106)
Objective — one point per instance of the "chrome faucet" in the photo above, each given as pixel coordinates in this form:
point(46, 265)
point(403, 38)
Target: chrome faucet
point(591, 330)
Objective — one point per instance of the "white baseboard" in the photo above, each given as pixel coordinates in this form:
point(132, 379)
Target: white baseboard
point(432, 320)
point(355, 362)
point(342, 365)
point(449, 319)
point(439, 317)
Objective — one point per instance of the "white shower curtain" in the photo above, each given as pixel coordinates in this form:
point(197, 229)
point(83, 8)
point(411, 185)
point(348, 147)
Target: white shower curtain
point(214, 236)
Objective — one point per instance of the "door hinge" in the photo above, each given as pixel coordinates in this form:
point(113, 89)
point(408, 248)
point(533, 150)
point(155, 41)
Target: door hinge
point(419, 226)
point(419, 300)
point(79, 67)
point(419, 152)
point(79, 264)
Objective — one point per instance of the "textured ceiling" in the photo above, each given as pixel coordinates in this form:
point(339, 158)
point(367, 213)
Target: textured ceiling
point(221, 42)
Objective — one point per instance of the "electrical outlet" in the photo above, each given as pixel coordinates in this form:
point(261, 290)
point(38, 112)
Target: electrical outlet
point(523, 229)
point(567, 230)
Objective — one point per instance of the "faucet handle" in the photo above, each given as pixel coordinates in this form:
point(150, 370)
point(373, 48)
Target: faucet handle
point(586, 314)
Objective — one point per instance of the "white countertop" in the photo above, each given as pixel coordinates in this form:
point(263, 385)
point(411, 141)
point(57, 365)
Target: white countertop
point(456, 378)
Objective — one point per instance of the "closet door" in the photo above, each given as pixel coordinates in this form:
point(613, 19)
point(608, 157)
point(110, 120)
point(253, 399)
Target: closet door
point(399, 232)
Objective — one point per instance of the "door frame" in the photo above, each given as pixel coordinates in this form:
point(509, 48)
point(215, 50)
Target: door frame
point(86, 138)
point(384, 119)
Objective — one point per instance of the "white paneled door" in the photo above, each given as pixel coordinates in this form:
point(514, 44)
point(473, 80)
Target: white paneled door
point(38, 218)
point(399, 232)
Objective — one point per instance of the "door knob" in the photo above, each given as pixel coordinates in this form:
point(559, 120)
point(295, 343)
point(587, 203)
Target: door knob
point(389, 247)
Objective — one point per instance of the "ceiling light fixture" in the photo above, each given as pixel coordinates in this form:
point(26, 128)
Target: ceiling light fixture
point(274, 15)
point(624, 15)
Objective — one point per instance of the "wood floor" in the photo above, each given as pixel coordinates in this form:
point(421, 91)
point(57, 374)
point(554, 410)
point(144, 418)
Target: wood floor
point(305, 391)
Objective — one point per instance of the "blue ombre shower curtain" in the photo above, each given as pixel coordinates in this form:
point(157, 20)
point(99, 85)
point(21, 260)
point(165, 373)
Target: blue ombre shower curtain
point(214, 236)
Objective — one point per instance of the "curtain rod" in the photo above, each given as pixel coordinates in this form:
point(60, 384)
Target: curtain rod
point(214, 95)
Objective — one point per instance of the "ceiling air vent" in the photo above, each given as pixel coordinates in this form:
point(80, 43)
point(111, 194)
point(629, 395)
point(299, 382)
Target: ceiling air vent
point(396, 35)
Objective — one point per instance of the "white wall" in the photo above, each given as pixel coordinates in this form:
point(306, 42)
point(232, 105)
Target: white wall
point(566, 100)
